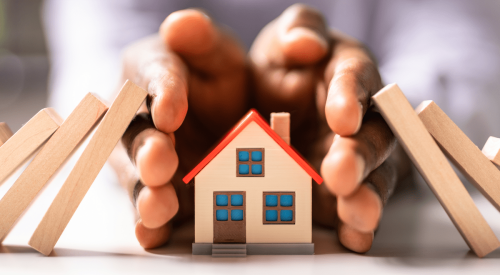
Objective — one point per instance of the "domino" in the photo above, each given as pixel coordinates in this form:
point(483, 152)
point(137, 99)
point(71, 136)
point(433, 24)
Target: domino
point(435, 169)
point(5, 133)
point(461, 151)
point(48, 160)
point(107, 135)
point(26, 141)
point(491, 150)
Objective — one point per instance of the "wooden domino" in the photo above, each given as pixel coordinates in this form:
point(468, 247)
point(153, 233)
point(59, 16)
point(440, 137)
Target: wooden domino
point(5, 133)
point(27, 140)
point(491, 150)
point(461, 151)
point(107, 135)
point(435, 169)
point(57, 149)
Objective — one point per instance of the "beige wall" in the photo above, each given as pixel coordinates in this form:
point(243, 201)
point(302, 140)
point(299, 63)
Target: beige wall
point(282, 173)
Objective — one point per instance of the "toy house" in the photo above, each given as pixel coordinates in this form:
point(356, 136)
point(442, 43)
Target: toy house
point(253, 192)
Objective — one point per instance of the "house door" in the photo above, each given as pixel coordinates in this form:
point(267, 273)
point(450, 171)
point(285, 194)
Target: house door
point(229, 217)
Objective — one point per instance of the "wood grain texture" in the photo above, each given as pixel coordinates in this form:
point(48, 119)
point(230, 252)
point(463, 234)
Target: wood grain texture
point(461, 151)
point(57, 149)
point(27, 140)
point(435, 169)
point(93, 158)
point(491, 150)
point(5, 133)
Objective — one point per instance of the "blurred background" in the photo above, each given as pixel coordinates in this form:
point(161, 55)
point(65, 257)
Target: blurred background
point(24, 65)
point(447, 51)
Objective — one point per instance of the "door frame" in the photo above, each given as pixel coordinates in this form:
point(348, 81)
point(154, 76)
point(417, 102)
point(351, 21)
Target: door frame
point(229, 231)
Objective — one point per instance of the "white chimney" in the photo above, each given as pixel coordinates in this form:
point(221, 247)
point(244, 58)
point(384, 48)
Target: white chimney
point(280, 123)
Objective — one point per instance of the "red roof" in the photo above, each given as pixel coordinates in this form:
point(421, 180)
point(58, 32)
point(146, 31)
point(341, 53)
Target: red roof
point(253, 115)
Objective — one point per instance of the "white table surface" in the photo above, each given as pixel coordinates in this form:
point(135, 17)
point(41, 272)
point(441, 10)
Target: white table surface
point(415, 237)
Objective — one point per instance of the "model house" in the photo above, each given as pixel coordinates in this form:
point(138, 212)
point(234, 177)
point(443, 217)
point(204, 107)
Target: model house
point(253, 192)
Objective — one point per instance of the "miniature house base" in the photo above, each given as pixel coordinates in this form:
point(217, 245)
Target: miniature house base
point(241, 250)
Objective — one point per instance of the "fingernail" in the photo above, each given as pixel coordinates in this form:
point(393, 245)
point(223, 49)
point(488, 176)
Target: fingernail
point(360, 117)
point(360, 163)
point(297, 32)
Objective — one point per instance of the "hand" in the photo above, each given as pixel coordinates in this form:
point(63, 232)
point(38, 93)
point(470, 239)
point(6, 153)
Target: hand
point(325, 80)
point(191, 62)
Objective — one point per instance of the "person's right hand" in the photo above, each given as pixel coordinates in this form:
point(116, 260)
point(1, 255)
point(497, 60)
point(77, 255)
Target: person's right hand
point(191, 62)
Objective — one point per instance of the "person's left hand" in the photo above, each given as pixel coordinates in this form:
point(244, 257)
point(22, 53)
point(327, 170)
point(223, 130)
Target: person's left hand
point(325, 80)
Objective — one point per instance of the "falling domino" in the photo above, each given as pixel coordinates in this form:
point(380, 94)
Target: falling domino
point(435, 169)
point(491, 150)
point(27, 140)
point(5, 133)
point(107, 135)
point(461, 151)
point(57, 149)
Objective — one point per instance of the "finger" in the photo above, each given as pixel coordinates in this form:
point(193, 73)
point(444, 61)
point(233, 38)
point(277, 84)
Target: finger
point(281, 58)
point(353, 78)
point(363, 209)
point(155, 157)
point(165, 76)
point(353, 239)
point(351, 159)
point(157, 205)
point(302, 35)
point(151, 238)
point(206, 48)
point(216, 61)
point(152, 151)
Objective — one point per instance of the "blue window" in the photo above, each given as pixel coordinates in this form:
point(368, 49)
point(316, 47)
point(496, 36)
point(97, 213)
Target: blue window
point(279, 207)
point(286, 200)
point(221, 215)
point(256, 156)
point(236, 215)
point(221, 200)
point(271, 200)
point(236, 200)
point(286, 215)
point(271, 215)
point(256, 169)
point(250, 162)
point(243, 169)
point(243, 156)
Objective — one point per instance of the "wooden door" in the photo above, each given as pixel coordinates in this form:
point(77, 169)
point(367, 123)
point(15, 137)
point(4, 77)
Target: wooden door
point(229, 217)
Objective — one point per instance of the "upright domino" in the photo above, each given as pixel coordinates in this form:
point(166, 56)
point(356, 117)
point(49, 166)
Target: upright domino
point(435, 169)
point(27, 140)
point(5, 133)
point(491, 150)
point(461, 151)
point(107, 135)
point(48, 160)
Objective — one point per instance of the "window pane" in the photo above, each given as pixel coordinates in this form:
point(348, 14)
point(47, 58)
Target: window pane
point(256, 156)
point(236, 200)
point(286, 215)
point(237, 215)
point(271, 200)
point(243, 169)
point(243, 156)
point(221, 215)
point(271, 215)
point(256, 169)
point(286, 200)
point(221, 200)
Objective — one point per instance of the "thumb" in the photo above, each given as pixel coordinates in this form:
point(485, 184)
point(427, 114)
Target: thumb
point(302, 35)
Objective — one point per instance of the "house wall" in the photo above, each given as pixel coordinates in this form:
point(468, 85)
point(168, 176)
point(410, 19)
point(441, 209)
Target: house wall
point(282, 173)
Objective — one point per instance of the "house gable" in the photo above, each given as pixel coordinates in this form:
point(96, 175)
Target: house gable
point(254, 117)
